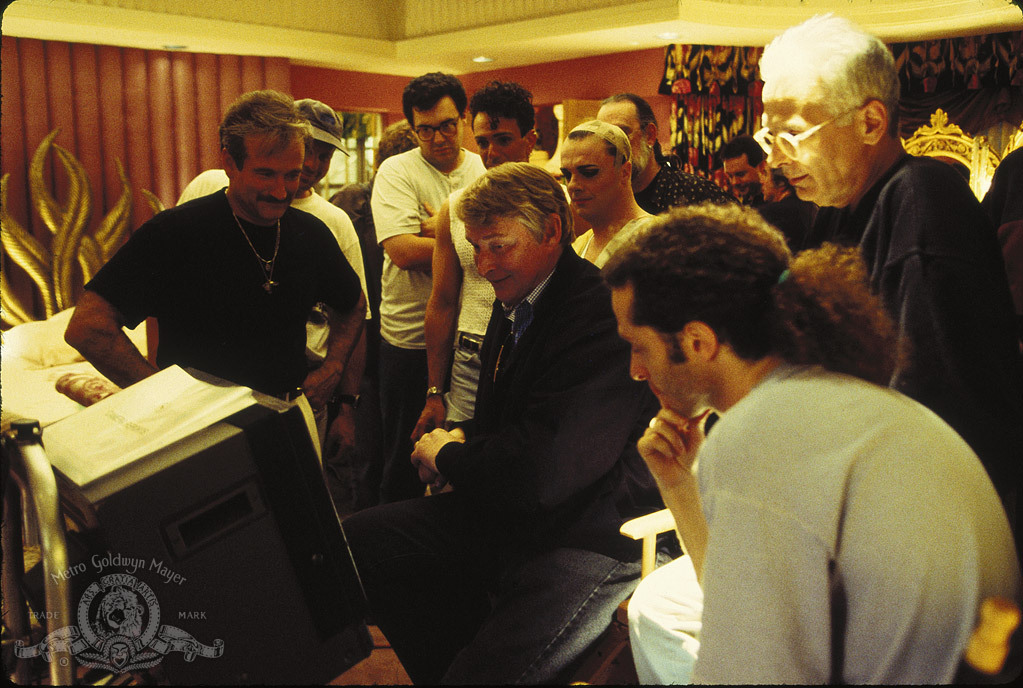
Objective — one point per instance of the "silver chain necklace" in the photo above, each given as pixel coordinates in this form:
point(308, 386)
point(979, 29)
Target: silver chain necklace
point(266, 265)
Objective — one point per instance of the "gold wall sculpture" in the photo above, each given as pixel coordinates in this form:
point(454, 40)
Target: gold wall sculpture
point(75, 254)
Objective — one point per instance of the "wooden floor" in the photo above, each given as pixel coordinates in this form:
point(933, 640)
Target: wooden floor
point(381, 668)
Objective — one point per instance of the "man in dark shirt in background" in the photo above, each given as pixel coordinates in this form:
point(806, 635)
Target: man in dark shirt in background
point(658, 181)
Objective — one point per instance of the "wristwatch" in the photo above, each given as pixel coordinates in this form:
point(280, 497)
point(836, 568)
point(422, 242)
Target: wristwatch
point(352, 399)
point(433, 391)
point(338, 399)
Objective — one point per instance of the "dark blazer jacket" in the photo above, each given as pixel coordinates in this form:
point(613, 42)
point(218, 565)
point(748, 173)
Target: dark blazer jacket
point(551, 457)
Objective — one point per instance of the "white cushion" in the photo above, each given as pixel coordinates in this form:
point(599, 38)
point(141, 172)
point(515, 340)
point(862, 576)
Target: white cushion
point(41, 344)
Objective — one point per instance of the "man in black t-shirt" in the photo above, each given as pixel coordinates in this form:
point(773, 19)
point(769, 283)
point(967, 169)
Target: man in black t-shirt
point(231, 277)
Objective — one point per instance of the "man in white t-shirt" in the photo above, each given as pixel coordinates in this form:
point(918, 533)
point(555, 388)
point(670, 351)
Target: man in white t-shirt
point(407, 189)
point(326, 138)
point(837, 530)
point(459, 308)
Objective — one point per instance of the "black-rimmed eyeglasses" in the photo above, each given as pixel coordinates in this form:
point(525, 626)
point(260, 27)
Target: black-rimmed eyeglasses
point(426, 132)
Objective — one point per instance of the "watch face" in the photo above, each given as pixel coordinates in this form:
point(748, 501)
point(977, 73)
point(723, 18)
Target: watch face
point(350, 399)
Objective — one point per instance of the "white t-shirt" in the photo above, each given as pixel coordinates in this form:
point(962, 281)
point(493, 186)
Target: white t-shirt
point(337, 221)
point(826, 495)
point(402, 185)
point(476, 300)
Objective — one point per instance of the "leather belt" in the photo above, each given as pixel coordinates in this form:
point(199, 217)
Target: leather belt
point(469, 342)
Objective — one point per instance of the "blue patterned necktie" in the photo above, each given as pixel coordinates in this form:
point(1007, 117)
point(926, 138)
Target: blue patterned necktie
point(523, 316)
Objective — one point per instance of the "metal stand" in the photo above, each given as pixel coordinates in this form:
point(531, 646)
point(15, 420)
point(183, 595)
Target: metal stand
point(37, 502)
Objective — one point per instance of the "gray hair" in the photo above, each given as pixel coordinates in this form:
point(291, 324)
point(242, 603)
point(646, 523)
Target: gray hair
point(518, 190)
point(837, 63)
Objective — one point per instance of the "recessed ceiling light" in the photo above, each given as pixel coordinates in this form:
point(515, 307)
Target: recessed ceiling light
point(668, 36)
point(482, 58)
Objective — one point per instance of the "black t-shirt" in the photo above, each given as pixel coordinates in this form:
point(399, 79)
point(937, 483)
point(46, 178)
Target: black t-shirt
point(191, 268)
point(933, 259)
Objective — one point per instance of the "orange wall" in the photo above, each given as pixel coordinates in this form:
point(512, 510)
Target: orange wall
point(588, 78)
point(350, 91)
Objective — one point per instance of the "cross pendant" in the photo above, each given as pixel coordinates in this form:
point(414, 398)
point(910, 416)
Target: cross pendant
point(268, 286)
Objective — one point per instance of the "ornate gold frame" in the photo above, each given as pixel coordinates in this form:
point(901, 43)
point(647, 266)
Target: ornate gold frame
point(1016, 141)
point(941, 139)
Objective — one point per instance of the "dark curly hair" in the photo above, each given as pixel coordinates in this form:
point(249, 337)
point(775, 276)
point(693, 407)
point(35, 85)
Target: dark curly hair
point(424, 92)
point(726, 267)
point(504, 99)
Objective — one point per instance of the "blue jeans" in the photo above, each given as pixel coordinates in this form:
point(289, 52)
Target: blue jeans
point(403, 382)
point(459, 607)
point(465, 377)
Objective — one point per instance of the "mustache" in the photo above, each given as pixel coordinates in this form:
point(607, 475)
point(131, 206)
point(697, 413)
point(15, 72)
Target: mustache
point(271, 199)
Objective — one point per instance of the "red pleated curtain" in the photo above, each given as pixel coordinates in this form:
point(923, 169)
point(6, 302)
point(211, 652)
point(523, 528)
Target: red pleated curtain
point(155, 111)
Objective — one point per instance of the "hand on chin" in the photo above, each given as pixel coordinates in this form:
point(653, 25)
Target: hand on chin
point(686, 414)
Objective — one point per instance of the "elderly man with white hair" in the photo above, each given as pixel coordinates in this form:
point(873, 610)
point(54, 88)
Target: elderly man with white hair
point(831, 126)
point(830, 119)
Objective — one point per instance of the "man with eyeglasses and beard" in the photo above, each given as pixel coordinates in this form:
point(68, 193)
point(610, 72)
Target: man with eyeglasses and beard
point(408, 189)
point(831, 97)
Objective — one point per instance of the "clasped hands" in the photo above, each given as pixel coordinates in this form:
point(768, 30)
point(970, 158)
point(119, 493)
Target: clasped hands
point(424, 454)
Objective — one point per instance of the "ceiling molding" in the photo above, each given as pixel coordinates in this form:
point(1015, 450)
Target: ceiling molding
point(565, 33)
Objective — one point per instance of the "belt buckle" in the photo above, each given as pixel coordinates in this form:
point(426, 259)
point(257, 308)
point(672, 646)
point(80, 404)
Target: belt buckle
point(468, 343)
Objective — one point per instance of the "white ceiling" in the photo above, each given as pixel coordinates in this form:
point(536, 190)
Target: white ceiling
point(409, 37)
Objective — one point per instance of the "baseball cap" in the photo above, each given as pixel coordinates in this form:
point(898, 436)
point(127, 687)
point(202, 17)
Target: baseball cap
point(611, 134)
point(326, 125)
